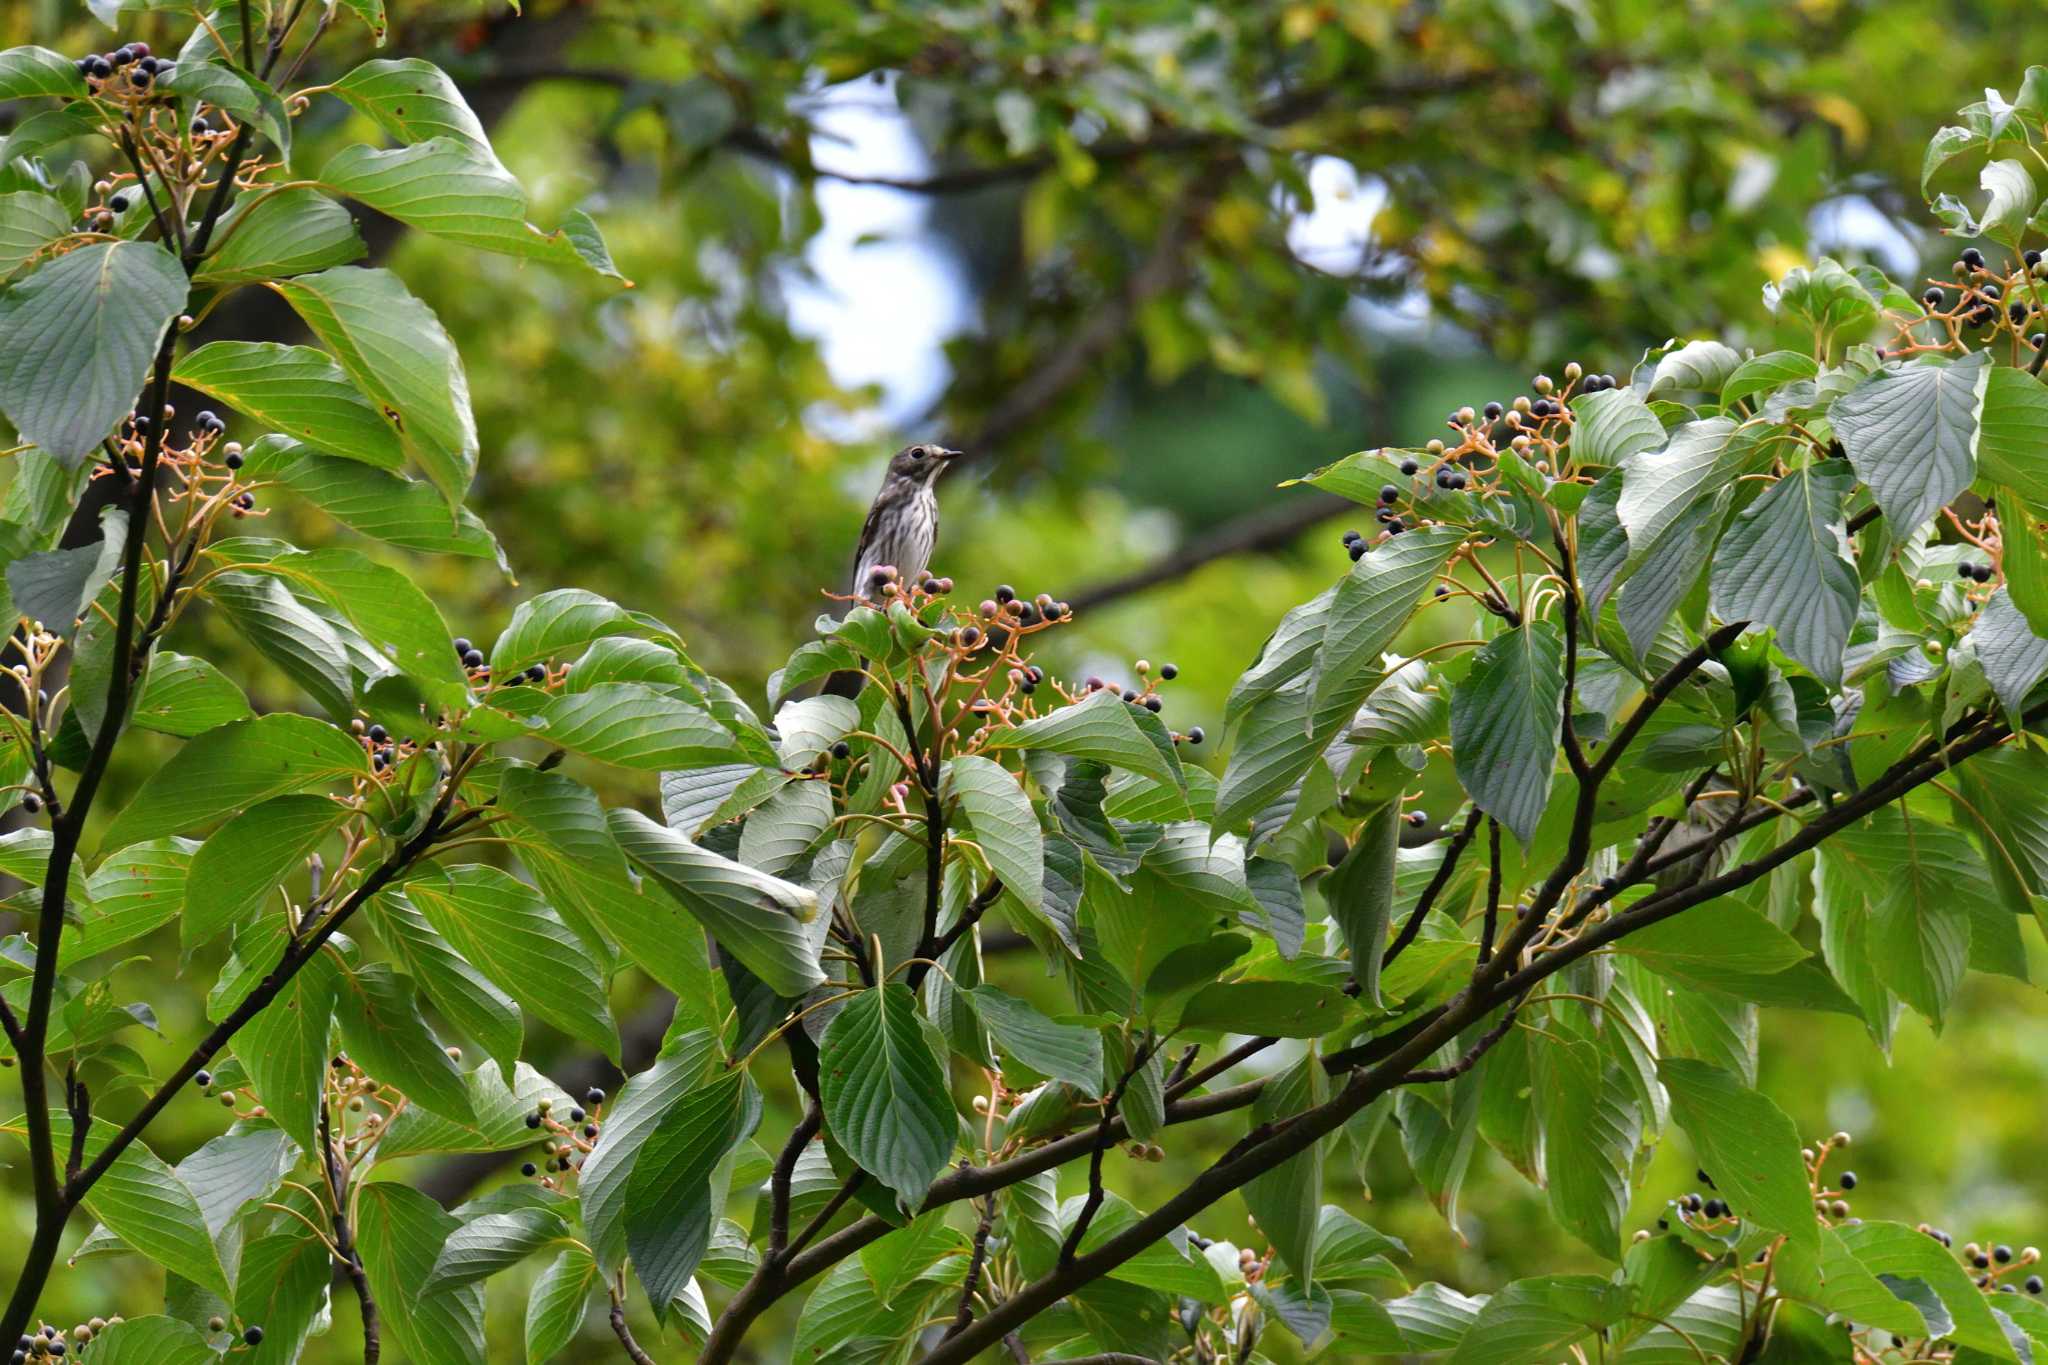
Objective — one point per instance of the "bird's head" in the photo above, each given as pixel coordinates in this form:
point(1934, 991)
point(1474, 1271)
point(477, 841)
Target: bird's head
point(921, 463)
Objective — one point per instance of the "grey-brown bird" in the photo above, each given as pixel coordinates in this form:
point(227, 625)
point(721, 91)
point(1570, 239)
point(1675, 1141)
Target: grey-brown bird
point(900, 532)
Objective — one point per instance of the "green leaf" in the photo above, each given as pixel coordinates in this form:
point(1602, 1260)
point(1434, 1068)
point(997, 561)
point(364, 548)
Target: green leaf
point(1287, 1200)
point(382, 505)
point(1612, 425)
point(669, 1200)
point(885, 1093)
point(1535, 1319)
point(400, 1232)
point(131, 893)
point(2013, 656)
point(1590, 1130)
point(1730, 937)
point(2012, 202)
point(282, 1287)
point(1697, 367)
point(447, 187)
point(1287, 653)
point(384, 606)
point(2012, 437)
point(629, 1121)
point(557, 625)
point(996, 808)
point(280, 233)
point(464, 995)
point(234, 92)
point(501, 925)
point(284, 1048)
point(1904, 1253)
point(1283, 1009)
point(54, 586)
point(1505, 721)
point(1746, 1143)
point(385, 1034)
point(413, 100)
point(1360, 894)
point(29, 71)
point(245, 861)
point(29, 221)
point(400, 357)
point(1100, 727)
point(1169, 1265)
point(1919, 881)
point(582, 872)
point(1826, 298)
point(142, 1201)
point(1782, 565)
point(1066, 1052)
point(298, 391)
point(1658, 488)
point(153, 1340)
point(1911, 433)
point(283, 629)
point(1761, 374)
point(781, 831)
point(185, 696)
point(774, 928)
point(557, 1304)
point(76, 340)
point(236, 766)
point(1373, 603)
point(484, 1246)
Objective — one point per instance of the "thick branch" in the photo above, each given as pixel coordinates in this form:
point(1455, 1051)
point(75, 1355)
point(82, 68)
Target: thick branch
point(1444, 869)
point(344, 1239)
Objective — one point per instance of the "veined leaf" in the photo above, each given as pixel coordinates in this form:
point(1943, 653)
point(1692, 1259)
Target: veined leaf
point(1912, 433)
point(1100, 727)
point(235, 766)
point(1746, 1143)
point(1004, 824)
point(1782, 565)
point(669, 1197)
point(246, 859)
point(283, 232)
point(1505, 720)
point(298, 391)
point(885, 1092)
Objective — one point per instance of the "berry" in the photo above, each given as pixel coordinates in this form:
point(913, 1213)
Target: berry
point(473, 659)
point(1153, 704)
point(462, 647)
point(378, 734)
point(1195, 736)
point(245, 501)
point(200, 127)
point(1848, 1180)
point(841, 750)
point(1493, 412)
point(590, 1130)
point(140, 77)
point(575, 1116)
point(2032, 258)
point(537, 674)
point(1933, 298)
point(1027, 614)
point(2034, 1285)
point(119, 203)
point(100, 67)
point(203, 1079)
point(1981, 1261)
point(2017, 312)
point(253, 1336)
point(1388, 493)
point(1351, 537)
point(1409, 466)
point(1966, 570)
point(216, 1323)
point(1168, 672)
point(140, 49)
point(1990, 291)
point(1357, 550)
point(1006, 594)
point(31, 803)
point(1973, 258)
point(1396, 527)
point(533, 1120)
point(2001, 1253)
point(529, 1170)
point(233, 459)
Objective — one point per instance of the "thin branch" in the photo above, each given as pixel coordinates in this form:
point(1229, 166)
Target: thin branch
point(1139, 1056)
point(1444, 869)
point(1242, 1052)
point(1486, 930)
point(1470, 1057)
point(965, 1314)
point(625, 1334)
point(785, 1168)
point(1269, 528)
point(344, 1245)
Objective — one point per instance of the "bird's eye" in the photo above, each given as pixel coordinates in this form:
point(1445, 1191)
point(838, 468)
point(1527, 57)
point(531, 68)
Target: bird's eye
point(917, 452)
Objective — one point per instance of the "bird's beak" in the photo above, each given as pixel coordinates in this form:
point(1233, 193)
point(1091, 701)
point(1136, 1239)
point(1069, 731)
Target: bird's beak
point(948, 456)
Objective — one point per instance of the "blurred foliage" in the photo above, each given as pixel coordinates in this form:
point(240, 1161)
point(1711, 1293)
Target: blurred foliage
point(1551, 181)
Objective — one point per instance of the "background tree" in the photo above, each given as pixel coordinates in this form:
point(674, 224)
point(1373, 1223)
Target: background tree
point(746, 379)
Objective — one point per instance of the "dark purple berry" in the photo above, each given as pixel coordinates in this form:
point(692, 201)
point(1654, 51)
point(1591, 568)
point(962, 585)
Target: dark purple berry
point(1973, 258)
point(1389, 493)
point(1409, 466)
point(593, 1097)
point(473, 659)
point(1195, 736)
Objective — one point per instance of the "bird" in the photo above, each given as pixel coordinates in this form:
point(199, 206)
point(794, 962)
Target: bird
point(901, 530)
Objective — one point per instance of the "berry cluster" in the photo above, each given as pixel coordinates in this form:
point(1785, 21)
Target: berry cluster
point(129, 67)
point(228, 1099)
point(1145, 693)
point(2008, 300)
point(385, 752)
point(568, 1145)
point(1010, 609)
point(1976, 573)
point(251, 1335)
